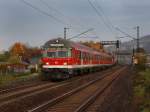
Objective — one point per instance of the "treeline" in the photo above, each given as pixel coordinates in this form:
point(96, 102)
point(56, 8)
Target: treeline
point(19, 52)
point(95, 45)
point(17, 58)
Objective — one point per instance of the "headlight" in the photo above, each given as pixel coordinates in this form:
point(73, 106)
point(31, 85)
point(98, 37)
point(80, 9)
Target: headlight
point(65, 63)
point(47, 63)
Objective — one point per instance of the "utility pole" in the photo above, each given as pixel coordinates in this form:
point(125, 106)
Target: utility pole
point(138, 40)
point(65, 30)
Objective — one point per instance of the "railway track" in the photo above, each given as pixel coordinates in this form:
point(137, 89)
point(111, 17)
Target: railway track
point(26, 100)
point(78, 99)
point(93, 102)
point(21, 87)
point(25, 86)
point(16, 88)
point(23, 93)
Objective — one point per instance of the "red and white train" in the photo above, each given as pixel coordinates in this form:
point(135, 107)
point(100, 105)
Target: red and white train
point(63, 59)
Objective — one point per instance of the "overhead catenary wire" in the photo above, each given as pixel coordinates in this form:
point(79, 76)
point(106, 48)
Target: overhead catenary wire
point(102, 11)
point(50, 7)
point(106, 17)
point(46, 13)
point(81, 34)
point(101, 16)
point(59, 12)
point(126, 34)
point(76, 26)
point(43, 12)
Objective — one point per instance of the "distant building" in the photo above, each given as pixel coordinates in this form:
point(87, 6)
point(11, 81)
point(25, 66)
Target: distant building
point(12, 68)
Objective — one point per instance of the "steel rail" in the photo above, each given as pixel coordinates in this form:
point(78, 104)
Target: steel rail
point(20, 87)
point(12, 98)
point(58, 99)
point(91, 99)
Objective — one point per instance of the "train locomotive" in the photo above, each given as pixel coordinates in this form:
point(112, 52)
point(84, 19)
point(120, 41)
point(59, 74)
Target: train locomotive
point(63, 59)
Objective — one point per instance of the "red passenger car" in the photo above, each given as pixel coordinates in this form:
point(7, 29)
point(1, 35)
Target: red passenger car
point(63, 59)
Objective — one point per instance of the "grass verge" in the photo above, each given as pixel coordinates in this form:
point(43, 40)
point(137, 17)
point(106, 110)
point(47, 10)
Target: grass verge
point(6, 79)
point(142, 90)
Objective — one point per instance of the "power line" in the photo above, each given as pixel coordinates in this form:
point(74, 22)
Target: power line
point(100, 15)
point(106, 17)
point(43, 12)
point(51, 8)
point(125, 33)
point(46, 13)
point(59, 12)
point(137, 39)
point(81, 34)
point(101, 9)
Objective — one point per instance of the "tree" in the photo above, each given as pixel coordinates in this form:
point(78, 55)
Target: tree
point(18, 49)
point(23, 52)
point(95, 45)
point(19, 52)
point(14, 59)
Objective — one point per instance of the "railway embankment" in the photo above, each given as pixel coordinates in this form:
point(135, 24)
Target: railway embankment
point(141, 91)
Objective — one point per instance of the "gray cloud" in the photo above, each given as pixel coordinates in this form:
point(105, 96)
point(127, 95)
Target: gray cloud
point(19, 22)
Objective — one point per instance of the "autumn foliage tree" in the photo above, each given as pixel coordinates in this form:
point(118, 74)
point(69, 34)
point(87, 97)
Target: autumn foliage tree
point(21, 52)
point(14, 60)
point(18, 52)
point(18, 49)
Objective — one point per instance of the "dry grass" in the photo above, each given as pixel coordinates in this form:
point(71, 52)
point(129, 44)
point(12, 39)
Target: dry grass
point(8, 78)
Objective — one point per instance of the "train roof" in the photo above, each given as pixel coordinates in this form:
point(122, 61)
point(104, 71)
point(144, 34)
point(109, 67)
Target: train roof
point(71, 44)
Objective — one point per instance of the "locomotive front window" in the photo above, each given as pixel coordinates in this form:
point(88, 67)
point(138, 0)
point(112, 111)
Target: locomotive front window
point(62, 54)
point(51, 54)
point(58, 54)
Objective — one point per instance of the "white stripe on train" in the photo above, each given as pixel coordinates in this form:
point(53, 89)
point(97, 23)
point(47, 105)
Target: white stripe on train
point(74, 66)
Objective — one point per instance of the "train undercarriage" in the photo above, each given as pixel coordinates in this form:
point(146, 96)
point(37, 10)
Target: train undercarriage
point(66, 73)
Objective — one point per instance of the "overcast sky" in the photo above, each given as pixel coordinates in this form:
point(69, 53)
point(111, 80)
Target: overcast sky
point(20, 22)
